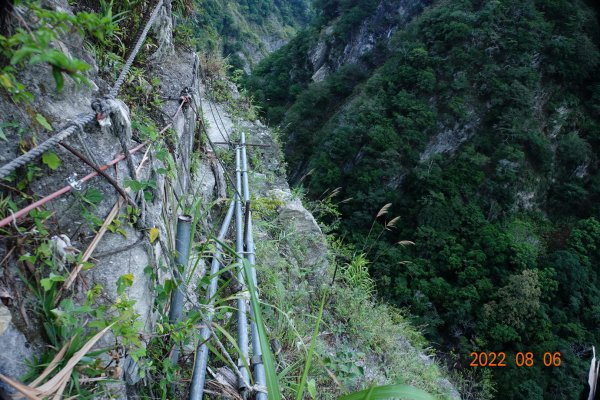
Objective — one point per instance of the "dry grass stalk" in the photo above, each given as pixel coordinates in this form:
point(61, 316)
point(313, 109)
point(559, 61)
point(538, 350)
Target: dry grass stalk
point(334, 192)
point(88, 252)
point(384, 210)
point(224, 384)
point(392, 223)
point(309, 173)
point(57, 384)
point(57, 358)
point(107, 221)
point(593, 375)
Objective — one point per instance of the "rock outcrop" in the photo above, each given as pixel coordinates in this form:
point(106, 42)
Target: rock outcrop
point(331, 52)
point(126, 250)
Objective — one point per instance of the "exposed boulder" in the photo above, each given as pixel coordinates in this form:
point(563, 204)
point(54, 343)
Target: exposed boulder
point(15, 350)
point(163, 30)
point(301, 222)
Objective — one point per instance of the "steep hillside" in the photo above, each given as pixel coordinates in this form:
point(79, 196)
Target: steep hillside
point(93, 267)
point(479, 122)
point(244, 31)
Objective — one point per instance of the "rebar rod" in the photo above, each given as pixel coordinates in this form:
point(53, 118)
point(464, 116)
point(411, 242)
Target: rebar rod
point(182, 247)
point(258, 367)
point(241, 303)
point(199, 373)
point(100, 172)
point(14, 217)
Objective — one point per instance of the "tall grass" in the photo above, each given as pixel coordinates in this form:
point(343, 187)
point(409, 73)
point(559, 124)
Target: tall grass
point(311, 350)
point(356, 273)
point(271, 376)
point(273, 385)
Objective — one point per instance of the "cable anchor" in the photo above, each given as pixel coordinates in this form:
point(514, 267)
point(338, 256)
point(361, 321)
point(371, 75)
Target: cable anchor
point(75, 183)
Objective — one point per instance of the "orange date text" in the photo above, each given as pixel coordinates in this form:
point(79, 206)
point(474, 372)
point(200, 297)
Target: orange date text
point(520, 359)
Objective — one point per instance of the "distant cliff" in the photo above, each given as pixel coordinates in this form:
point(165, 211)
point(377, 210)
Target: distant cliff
point(246, 31)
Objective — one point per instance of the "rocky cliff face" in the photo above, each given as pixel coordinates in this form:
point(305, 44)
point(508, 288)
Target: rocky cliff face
point(180, 171)
point(127, 252)
point(370, 36)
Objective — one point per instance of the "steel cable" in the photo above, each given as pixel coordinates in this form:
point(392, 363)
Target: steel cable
point(133, 54)
point(67, 188)
point(45, 146)
point(82, 119)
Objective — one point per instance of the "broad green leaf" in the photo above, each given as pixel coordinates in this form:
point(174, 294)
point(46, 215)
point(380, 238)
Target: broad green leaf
point(46, 284)
point(87, 265)
point(136, 186)
point(51, 160)
point(43, 121)
point(5, 81)
point(93, 196)
point(22, 53)
point(389, 392)
point(124, 282)
point(49, 281)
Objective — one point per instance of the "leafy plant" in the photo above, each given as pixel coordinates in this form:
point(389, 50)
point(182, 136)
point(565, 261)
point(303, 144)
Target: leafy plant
point(145, 186)
point(388, 392)
point(356, 274)
point(29, 46)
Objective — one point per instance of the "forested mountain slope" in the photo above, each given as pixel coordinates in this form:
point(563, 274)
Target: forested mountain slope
point(244, 31)
point(479, 121)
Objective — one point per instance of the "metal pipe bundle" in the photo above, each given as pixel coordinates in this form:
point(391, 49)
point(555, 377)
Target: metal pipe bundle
point(182, 247)
point(244, 245)
point(241, 302)
point(199, 374)
point(257, 363)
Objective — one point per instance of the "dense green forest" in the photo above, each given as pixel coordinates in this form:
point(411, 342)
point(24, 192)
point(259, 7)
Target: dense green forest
point(241, 29)
point(505, 222)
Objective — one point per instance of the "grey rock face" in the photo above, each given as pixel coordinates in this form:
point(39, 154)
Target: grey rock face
point(449, 139)
point(5, 319)
point(301, 222)
point(318, 55)
point(219, 125)
point(116, 254)
point(330, 54)
point(133, 260)
point(163, 29)
point(321, 74)
point(15, 350)
point(292, 211)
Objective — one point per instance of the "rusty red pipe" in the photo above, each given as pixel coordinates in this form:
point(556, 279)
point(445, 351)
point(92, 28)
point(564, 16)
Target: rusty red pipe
point(58, 193)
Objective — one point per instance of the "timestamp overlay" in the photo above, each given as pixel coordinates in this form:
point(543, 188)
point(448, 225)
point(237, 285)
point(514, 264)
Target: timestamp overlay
point(524, 359)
